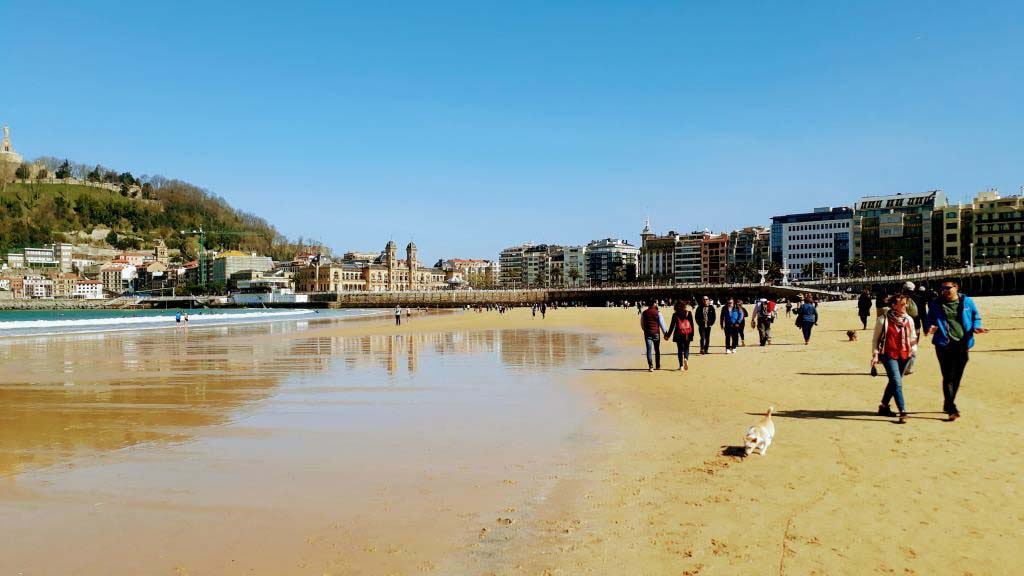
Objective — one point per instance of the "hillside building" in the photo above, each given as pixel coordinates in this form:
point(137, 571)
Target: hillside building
point(611, 260)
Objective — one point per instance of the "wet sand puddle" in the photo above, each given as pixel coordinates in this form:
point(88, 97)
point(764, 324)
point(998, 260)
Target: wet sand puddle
point(226, 452)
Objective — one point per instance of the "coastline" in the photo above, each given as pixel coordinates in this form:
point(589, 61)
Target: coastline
point(643, 483)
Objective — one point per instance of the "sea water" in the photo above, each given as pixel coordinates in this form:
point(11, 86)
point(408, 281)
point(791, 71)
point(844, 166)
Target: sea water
point(47, 322)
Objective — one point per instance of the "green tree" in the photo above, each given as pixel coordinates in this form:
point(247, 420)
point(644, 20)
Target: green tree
point(23, 172)
point(574, 275)
point(64, 171)
point(43, 174)
point(96, 175)
point(813, 269)
point(112, 238)
point(857, 267)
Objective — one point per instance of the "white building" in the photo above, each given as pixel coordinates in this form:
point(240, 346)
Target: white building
point(88, 289)
point(822, 237)
point(48, 256)
point(38, 287)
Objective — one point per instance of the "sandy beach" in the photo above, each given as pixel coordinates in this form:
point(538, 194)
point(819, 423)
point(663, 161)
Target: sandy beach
point(479, 443)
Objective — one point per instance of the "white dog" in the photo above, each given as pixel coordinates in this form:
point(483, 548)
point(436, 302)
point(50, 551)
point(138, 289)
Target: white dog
point(759, 436)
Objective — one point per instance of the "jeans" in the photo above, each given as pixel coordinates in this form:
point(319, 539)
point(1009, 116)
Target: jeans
point(740, 331)
point(732, 337)
point(683, 350)
point(398, 320)
point(864, 319)
point(653, 342)
point(894, 368)
point(806, 327)
point(952, 361)
point(764, 331)
point(705, 338)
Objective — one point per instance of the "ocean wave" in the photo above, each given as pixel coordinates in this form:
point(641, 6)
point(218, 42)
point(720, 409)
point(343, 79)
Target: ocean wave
point(87, 324)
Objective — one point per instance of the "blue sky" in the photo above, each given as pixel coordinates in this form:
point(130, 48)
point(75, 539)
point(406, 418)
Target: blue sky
point(470, 126)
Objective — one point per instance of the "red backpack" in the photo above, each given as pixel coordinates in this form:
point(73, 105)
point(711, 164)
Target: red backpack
point(683, 326)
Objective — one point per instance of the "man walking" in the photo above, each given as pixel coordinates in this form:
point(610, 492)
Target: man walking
point(732, 320)
point(952, 321)
point(705, 320)
point(764, 315)
point(864, 306)
point(653, 325)
point(398, 315)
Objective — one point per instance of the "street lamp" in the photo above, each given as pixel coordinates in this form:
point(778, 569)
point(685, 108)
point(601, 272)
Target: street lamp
point(972, 256)
point(901, 266)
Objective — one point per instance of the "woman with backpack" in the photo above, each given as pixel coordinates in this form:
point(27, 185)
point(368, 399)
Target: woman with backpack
point(680, 328)
point(893, 344)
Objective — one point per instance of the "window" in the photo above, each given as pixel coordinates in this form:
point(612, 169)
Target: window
point(950, 237)
point(951, 225)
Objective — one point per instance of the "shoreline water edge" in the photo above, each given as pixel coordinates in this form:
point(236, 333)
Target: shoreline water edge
point(499, 443)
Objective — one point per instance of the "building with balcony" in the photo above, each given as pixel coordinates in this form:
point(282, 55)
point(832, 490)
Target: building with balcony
point(714, 256)
point(894, 231)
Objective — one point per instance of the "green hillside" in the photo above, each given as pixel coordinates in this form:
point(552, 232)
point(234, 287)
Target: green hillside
point(38, 213)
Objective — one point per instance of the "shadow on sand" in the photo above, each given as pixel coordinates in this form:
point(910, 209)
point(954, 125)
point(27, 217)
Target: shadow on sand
point(738, 451)
point(614, 369)
point(834, 373)
point(864, 415)
point(1000, 350)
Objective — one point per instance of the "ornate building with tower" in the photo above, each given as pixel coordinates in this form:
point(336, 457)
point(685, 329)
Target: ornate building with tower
point(384, 273)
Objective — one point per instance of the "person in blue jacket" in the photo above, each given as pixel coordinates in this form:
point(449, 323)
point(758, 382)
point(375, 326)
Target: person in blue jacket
point(807, 317)
point(952, 321)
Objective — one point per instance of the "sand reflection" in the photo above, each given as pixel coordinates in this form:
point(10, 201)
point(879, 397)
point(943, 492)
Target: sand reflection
point(67, 397)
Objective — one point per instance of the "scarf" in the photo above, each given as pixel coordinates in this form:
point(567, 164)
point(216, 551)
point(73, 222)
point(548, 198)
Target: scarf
point(902, 325)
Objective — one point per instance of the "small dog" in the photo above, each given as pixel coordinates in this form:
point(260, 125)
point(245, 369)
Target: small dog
point(852, 335)
point(759, 436)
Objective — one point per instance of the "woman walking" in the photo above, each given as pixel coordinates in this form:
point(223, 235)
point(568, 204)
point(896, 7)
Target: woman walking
point(680, 328)
point(893, 344)
point(807, 317)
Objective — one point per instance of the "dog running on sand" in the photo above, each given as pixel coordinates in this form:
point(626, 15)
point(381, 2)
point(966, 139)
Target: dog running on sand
point(852, 335)
point(759, 436)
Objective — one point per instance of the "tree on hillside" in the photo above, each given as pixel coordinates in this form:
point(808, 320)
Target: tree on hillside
point(96, 175)
point(64, 171)
point(111, 238)
point(110, 177)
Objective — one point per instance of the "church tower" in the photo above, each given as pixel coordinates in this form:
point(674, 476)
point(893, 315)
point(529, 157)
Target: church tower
point(391, 261)
point(410, 261)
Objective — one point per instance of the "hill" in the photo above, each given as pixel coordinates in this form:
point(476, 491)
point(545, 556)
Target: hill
point(38, 213)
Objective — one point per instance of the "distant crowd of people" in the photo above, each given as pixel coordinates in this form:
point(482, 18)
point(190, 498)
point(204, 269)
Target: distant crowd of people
point(690, 318)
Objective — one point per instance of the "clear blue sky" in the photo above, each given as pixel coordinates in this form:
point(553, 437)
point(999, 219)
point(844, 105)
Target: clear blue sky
point(470, 126)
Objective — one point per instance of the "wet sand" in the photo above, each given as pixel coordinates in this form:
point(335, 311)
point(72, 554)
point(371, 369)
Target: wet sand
point(485, 444)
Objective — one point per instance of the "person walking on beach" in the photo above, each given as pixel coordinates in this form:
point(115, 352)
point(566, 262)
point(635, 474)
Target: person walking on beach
point(789, 308)
point(743, 324)
point(705, 321)
point(533, 311)
point(543, 310)
point(731, 319)
point(864, 306)
point(680, 328)
point(764, 315)
point(953, 320)
point(807, 317)
point(653, 325)
point(177, 318)
point(398, 315)
point(893, 345)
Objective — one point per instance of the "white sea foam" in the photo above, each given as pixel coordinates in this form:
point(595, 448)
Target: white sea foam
point(77, 325)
